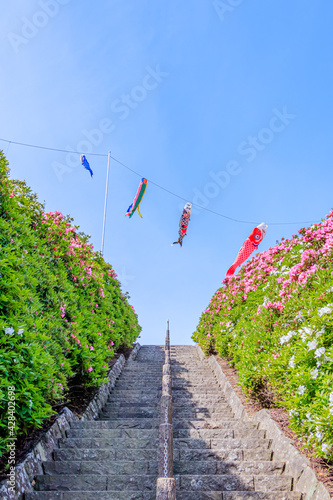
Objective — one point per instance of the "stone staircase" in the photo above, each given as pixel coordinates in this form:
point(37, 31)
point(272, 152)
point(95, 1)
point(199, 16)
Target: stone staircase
point(114, 457)
point(217, 457)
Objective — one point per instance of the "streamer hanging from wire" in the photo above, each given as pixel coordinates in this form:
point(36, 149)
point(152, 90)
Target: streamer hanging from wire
point(158, 185)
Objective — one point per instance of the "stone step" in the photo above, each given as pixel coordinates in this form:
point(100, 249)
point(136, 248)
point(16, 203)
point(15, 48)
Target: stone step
point(121, 423)
point(218, 433)
point(101, 454)
point(229, 482)
point(238, 495)
point(148, 412)
point(210, 467)
point(140, 402)
point(199, 370)
point(91, 495)
point(138, 385)
point(178, 382)
point(198, 390)
point(105, 467)
point(117, 405)
point(95, 482)
point(146, 367)
point(204, 414)
point(132, 391)
point(212, 424)
point(108, 442)
point(133, 377)
point(114, 433)
point(206, 405)
point(222, 444)
point(134, 380)
point(128, 393)
point(189, 396)
point(236, 454)
point(199, 401)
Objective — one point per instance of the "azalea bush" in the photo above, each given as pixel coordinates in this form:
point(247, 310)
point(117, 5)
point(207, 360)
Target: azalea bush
point(62, 312)
point(274, 320)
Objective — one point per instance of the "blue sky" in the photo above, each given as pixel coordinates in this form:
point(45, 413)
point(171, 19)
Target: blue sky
point(228, 104)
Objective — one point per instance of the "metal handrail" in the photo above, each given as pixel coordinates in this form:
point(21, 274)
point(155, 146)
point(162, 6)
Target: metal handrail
point(166, 484)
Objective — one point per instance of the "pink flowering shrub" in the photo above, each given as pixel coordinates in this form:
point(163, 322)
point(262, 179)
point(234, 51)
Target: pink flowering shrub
point(274, 320)
point(62, 312)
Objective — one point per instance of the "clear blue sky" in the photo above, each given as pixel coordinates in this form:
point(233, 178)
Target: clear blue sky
point(227, 104)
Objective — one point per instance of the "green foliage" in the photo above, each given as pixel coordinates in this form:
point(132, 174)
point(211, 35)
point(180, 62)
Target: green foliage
point(274, 320)
point(62, 312)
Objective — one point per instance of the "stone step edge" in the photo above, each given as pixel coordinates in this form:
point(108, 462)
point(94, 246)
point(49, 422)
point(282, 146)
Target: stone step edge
point(297, 465)
point(31, 466)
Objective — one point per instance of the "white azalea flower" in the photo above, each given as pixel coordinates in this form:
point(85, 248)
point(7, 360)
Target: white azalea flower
point(312, 345)
point(285, 338)
point(314, 373)
point(319, 435)
point(9, 330)
point(305, 332)
point(324, 310)
point(30, 403)
point(292, 362)
point(325, 448)
point(331, 399)
point(319, 352)
point(301, 389)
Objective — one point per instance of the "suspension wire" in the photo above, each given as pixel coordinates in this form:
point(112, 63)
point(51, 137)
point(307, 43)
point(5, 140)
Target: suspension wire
point(155, 184)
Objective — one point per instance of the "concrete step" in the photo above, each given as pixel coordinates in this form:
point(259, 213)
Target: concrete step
point(211, 424)
point(188, 396)
point(187, 413)
point(194, 383)
point(208, 389)
point(108, 442)
point(148, 412)
point(139, 402)
point(206, 405)
point(105, 467)
point(232, 454)
point(130, 391)
point(101, 454)
point(139, 385)
point(219, 433)
point(91, 495)
point(223, 444)
point(230, 482)
point(94, 482)
point(135, 375)
point(113, 433)
point(239, 495)
point(210, 467)
point(121, 423)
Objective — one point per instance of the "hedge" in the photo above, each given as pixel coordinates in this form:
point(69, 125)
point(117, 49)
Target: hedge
point(62, 312)
point(274, 321)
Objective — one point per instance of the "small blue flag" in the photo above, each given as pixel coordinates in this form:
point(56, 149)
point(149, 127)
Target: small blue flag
point(85, 164)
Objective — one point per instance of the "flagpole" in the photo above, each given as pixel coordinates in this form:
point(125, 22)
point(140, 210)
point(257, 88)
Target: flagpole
point(106, 201)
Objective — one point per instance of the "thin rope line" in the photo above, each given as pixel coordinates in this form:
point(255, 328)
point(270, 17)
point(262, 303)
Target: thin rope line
point(158, 185)
point(51, 149)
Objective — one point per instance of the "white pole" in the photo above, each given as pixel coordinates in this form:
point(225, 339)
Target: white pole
point(106, 200)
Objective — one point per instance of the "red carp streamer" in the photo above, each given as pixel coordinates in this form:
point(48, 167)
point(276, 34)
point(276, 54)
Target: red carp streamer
point(250, 244)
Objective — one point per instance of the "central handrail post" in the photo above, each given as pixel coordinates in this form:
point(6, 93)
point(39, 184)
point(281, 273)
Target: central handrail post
point(166, 484)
